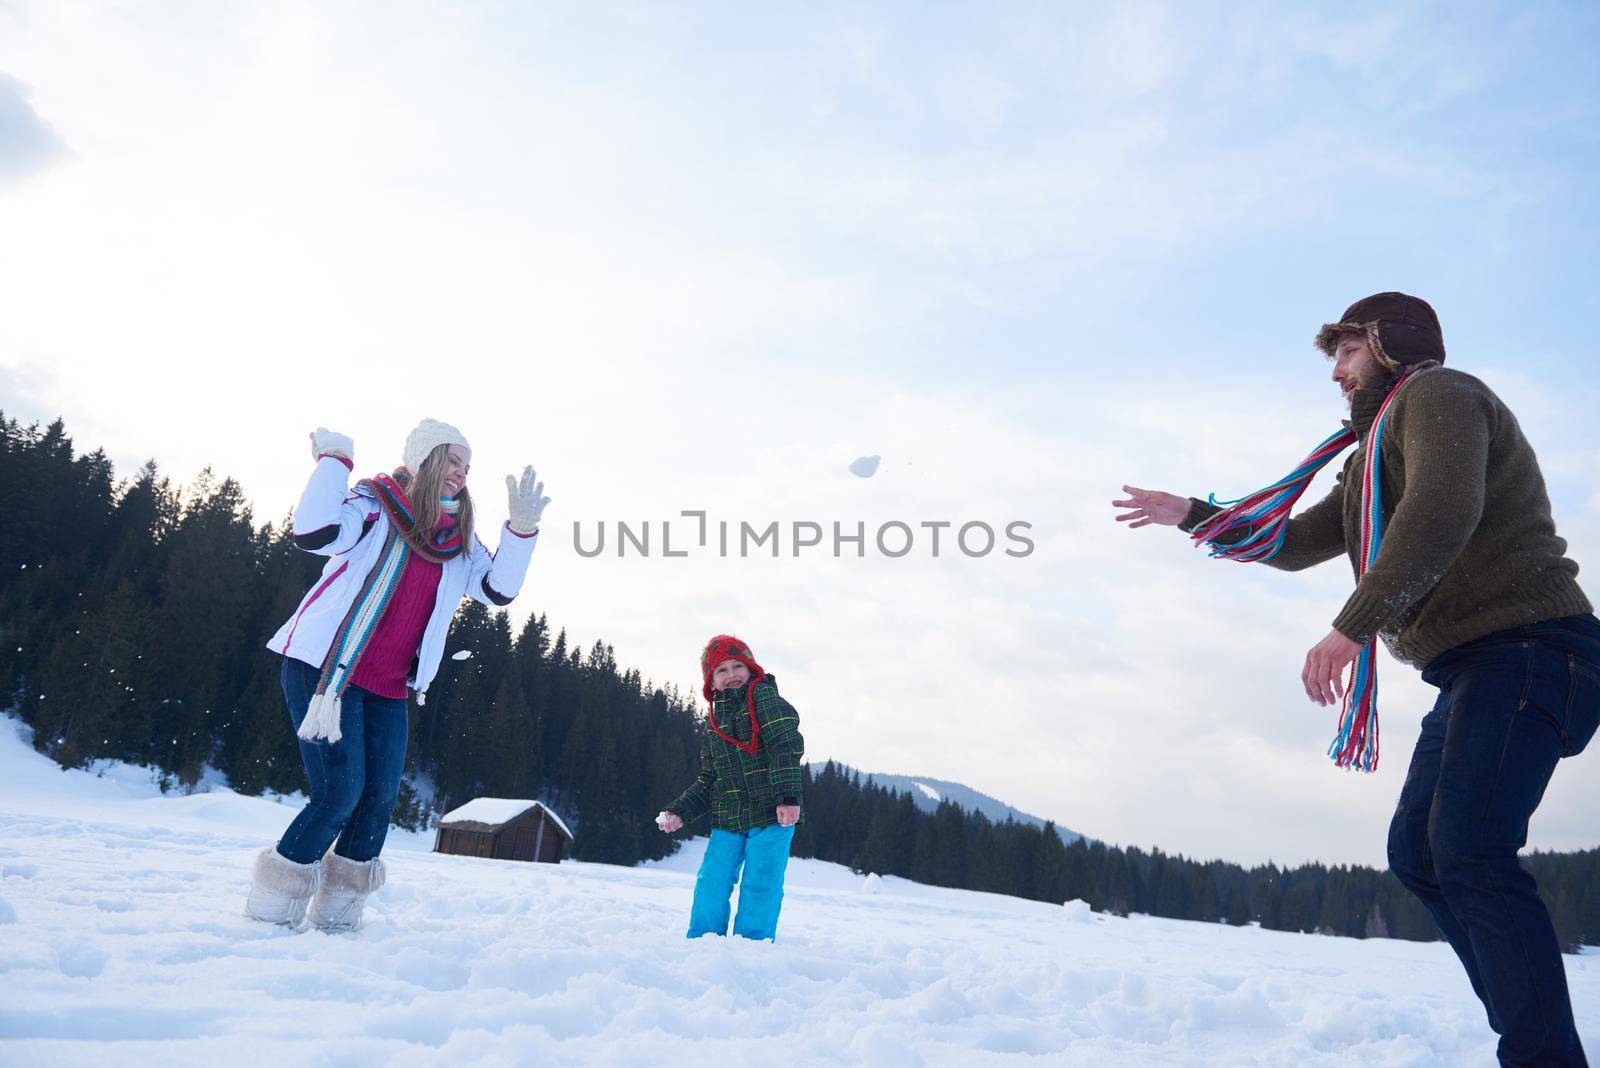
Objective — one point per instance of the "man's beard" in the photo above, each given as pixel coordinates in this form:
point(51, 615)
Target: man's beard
point(1377, 380)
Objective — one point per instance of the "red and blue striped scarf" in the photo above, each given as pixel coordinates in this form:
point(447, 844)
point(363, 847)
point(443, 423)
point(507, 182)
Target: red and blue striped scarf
point(1263, 519)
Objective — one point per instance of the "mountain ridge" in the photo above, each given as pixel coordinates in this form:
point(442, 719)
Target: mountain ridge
point(923, 789)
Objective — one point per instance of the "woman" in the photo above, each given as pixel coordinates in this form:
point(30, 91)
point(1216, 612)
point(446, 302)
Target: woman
point(401, 554)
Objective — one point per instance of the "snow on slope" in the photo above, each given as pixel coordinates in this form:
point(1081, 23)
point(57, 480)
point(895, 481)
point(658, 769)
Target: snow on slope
point(128, 947)
point(927, 791)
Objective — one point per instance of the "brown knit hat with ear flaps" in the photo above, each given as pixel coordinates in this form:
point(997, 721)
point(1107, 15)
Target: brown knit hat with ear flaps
point(1402, 330)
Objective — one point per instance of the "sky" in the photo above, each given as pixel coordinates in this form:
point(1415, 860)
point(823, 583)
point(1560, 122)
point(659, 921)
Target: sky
point(700, 258)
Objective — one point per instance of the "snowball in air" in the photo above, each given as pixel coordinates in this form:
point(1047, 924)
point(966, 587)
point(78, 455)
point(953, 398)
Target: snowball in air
point(864, 466)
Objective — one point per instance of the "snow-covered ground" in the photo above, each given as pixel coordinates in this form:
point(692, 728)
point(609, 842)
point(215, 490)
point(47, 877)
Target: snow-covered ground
point(122, 942)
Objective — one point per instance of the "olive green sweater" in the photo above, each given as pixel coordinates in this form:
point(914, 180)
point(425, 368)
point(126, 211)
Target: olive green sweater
point(1469, 544)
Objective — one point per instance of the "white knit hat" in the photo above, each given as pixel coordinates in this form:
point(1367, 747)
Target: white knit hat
point(429, 435)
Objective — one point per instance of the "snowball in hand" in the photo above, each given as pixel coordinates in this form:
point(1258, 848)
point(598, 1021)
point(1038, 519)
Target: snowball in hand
point(864, 466)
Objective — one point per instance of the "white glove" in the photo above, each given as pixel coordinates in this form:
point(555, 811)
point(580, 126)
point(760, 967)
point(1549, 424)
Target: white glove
point(325, 442)
point(527, 501)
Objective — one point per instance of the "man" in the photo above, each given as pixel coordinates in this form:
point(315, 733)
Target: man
point(1472, 585)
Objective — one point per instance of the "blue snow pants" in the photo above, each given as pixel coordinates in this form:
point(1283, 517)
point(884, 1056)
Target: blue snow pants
point(763, 854)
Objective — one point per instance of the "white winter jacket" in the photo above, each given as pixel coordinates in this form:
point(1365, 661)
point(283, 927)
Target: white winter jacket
point(349, 527)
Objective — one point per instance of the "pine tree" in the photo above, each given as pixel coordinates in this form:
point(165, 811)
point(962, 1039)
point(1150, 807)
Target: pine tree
point(1172, 894)
point(1204, 903)
point(200, 642)
point(1236, 912)
point(1589, 905)
point(1051, 866)
point(464, 743)
point(1118, 893)
point(877, 852)
point(87, 680)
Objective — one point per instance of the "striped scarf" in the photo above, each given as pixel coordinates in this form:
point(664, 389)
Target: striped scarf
point(1262, 518)
point(438, 545)
point(350, 641)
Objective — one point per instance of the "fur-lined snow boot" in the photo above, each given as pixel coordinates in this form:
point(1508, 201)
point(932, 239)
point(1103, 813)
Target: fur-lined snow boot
point(280, 889)
point(346, 884)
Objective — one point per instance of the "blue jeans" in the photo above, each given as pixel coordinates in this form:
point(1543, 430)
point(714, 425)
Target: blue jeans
point(1510, 706)
point(763, 853)
point(354, 781)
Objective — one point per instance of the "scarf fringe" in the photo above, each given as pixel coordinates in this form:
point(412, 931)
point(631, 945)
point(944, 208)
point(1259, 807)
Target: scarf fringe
point(1356, 743)
point(322, 718)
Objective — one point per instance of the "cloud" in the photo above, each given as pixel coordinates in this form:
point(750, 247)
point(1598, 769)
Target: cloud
point(28, 144)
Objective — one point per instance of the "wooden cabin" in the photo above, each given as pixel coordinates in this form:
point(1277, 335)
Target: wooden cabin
point(503, 829)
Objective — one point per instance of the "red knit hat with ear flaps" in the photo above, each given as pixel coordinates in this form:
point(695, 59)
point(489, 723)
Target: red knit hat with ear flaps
point(727, 647)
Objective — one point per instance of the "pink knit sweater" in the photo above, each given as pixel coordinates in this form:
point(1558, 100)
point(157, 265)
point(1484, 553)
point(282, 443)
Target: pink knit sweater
point(386, 663)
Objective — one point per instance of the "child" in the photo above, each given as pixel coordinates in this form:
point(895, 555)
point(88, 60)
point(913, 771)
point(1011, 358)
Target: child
point(401, 554)
point(750, 783)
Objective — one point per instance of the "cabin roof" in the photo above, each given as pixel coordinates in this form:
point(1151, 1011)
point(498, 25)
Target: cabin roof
point(495, 811)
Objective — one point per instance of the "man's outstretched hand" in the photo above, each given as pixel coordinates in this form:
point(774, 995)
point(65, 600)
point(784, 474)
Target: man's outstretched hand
point(1151, 506)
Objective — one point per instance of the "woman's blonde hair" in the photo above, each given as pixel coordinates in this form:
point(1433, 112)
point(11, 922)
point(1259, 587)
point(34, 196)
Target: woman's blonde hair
point(426, 482)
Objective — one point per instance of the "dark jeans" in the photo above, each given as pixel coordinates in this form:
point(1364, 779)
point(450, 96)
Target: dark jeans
point(354, 781)
point(1510, 706)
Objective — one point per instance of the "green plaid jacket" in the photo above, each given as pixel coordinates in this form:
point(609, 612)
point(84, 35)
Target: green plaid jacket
point(743, 790)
